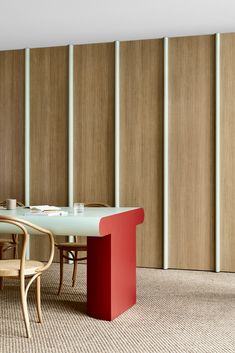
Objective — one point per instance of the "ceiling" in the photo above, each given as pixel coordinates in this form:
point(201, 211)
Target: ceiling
point(38, 23)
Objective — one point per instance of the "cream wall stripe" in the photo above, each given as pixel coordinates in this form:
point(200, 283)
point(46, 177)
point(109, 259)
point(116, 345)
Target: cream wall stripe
point(70, 128)
point(27, 136)
point(165, 222)
point(217, 228)
point(117, 124)
point(27, 127)
point(70, 131)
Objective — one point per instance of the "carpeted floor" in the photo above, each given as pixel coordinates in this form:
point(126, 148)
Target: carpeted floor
point(177, 311)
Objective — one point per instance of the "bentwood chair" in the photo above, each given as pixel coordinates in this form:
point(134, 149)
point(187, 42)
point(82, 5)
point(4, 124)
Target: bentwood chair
point(26, 269)
point(8, 244)
point(72, 249)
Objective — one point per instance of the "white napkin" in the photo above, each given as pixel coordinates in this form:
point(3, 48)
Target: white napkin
point(43, 208)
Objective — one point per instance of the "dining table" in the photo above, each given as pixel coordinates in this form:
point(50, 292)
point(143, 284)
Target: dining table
point(111, 251)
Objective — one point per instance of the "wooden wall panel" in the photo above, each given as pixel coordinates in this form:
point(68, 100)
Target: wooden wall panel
point(192, 152)
point(94, 105)
point(94, 68)
point(142, 142)
point(12, 80)
point(48, 129)
point(227, 152)
point(49, 116)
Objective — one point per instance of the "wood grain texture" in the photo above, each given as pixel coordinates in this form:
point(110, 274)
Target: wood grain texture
point(12, 71)
point(192, 152)
point(48, 130)
point(142, 142)
point(227, 168)
point(94, 68)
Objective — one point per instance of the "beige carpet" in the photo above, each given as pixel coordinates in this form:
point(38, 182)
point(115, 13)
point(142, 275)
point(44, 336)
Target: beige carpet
point(177, 311)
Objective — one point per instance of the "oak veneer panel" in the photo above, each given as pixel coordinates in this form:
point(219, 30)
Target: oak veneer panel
point(12, 72)
point(227, 152)
point(48, 130)
point(192, 152)
point(142, 142)
point(94, 70)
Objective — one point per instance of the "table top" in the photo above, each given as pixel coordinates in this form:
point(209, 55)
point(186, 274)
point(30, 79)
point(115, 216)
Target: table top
point(84, 224)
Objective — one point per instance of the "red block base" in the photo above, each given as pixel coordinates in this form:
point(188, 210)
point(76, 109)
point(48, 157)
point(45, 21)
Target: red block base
point(111, 266)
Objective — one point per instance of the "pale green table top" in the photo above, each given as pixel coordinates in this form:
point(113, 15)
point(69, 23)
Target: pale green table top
point(84, 224)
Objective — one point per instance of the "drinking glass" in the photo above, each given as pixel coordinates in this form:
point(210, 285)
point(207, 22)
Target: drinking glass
point(78, 207)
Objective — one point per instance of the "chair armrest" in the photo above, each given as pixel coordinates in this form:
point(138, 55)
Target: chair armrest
point(21, 224)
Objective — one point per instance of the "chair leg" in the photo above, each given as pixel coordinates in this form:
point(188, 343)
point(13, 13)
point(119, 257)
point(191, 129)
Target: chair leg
point(1, 278)
point(15, 242)
point(25, 308)
point(38, 296)
point(75, 267)
point(61, 271)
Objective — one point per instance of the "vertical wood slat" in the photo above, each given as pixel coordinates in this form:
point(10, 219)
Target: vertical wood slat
point(49, 131)
point(227, 168)
point(12, 72)
point(94, 90)
point(142, 142)
point(192, 152)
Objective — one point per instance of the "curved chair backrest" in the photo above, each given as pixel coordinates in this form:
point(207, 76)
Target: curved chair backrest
point(96, 204)
point(18, 203)
point(21, 225)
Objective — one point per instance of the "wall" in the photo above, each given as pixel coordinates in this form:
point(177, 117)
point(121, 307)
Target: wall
point(190, 106)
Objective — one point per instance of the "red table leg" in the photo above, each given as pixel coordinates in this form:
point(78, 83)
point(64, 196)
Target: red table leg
point(111, 266)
